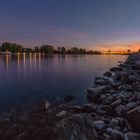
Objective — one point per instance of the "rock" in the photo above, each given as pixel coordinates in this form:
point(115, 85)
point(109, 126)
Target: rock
point(108, 100)
point(61, 114)
point(108, 74)
point(68, 98)
point(95, 93)
point(136, 66)
point(100, 81)
point(131, 105)
point(75, 127)
point(116, 103)
point(121, 76)
point(131, 136)
point(108, 109)
point(117, 135)
point(47, 104)
point(77, 108)
point(109, 131)
point(107, 137)
point(65, 107)
point(134, 118)
point(116, 69)
point(132, 78)
point(120, 110)
point(88, 108)
point(113, 123)
point(99, 125)
point(97, 90)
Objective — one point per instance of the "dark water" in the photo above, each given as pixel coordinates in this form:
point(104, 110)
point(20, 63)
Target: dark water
point(29, 78)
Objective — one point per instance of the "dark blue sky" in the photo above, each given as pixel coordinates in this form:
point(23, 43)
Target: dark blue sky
point(84, 23)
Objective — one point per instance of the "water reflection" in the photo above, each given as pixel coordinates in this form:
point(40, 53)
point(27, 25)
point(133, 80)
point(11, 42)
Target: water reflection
point(24, 63)
point(7, 62)
point(38, 76)
point(18, 65)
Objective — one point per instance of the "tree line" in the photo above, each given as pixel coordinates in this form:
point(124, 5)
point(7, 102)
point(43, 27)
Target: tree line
point(47, 49)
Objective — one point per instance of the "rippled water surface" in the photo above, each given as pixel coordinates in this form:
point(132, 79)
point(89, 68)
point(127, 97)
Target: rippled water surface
point(29, 78)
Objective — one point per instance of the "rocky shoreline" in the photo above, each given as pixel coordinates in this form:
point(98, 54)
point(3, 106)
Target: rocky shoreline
point(113, 112)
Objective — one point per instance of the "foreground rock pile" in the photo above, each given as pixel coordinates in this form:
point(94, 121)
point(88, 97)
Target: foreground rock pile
point(113, 112)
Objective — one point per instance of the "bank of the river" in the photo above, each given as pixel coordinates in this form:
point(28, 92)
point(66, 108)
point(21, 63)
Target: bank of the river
point(112, 114)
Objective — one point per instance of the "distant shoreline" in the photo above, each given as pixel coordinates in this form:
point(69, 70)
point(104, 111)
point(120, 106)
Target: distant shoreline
point(9, 53)
point(7, 48)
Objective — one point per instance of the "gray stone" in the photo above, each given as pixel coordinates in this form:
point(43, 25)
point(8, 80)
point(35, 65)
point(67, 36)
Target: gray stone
point(113, 123)
point(131, 105)
point(100, 81)
point(108, 74)
point(47, 105)
point(131, 136)
point(95, 93)
point(88, 108)
point(120, 110)
point(116, 103)
point(132, 78)
point(77, 108)
point(75, 127)
point(99, 125)
point(117, 135)
point(134, 118)
point(61, 113)
point(121, 75)
point(108, 109)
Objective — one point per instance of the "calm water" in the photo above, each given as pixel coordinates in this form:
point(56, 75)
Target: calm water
point(29, 78)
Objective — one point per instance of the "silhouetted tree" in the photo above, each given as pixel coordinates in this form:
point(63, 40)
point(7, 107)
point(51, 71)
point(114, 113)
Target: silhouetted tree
point(109, 51)
point(63, 50)
point(28, 50)
point(37, 50)
point(47, 49)
point(82, 51)
point(12, 47)
point(74, 50)
point(129, 51)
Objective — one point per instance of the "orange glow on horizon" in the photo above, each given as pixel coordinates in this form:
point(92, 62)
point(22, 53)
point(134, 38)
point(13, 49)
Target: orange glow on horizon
point(116, 47)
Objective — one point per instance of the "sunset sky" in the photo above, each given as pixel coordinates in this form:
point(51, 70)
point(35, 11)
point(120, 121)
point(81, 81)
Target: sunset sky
point(91, 24)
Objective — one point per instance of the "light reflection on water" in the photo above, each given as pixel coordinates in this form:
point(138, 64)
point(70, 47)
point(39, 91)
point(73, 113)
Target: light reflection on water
point(26, 78)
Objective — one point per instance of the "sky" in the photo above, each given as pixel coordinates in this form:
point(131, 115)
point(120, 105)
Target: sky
point(90, 24)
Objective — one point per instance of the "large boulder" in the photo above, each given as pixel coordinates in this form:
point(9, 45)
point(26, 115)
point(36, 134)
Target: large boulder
point(131, 136)
point(134, 118)
point(95, 93)
point(121, 76)
point(75, 127)
point(115, 134)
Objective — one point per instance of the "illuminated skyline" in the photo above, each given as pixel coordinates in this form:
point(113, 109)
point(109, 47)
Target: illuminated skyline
point(92, 24)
